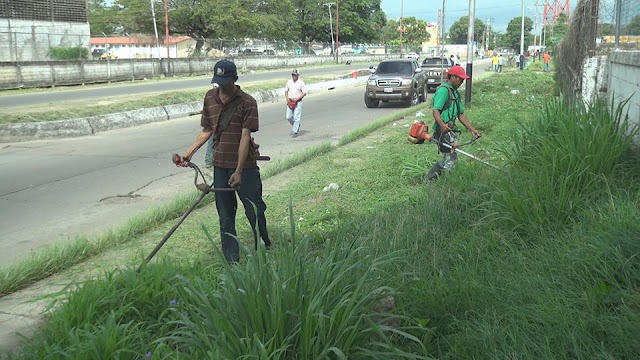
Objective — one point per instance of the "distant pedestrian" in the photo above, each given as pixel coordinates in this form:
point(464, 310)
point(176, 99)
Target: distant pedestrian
point(538, 54)
point(294, 91)
point(547, 59)
point(522, 61)
point(495, 62)
point(518, 60)
point(500, 63)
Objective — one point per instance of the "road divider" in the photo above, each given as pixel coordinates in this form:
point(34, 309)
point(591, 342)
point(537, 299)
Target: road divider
point(94, 124)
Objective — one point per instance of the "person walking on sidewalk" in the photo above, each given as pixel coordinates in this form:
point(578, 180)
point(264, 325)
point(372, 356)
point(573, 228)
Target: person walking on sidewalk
point(547, 59)
point(447, 107)
point(231, 115)
point(294, 91)
point(500, 63)
point(495, 61)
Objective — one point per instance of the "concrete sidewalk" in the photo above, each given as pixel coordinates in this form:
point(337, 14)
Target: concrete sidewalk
point(99, 123)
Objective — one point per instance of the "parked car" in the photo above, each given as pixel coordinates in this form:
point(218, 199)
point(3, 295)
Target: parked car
point(396, 80)
point(435, 69)
point(413, 55)
point(96, 53)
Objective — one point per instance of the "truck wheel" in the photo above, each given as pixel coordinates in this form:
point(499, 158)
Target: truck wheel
point(415, 98)
point(370, 103)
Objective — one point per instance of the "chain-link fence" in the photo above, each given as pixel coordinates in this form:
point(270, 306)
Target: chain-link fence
point(596, 27)
point(618, 25)
point(41, 44)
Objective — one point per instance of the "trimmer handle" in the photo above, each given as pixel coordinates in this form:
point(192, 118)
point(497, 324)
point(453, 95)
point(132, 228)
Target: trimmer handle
point(177, 159)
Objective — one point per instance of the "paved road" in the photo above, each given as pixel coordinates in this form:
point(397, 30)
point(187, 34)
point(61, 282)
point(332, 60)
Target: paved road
point(142, 87)
point(51, 190)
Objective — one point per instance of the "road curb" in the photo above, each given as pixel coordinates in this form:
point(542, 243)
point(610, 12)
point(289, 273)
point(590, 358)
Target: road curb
point(99, 123)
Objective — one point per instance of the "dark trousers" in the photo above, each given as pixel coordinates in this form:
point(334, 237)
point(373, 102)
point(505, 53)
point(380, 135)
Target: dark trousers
point(250, 193)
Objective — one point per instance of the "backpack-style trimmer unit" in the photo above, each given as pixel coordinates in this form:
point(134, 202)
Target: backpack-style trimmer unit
point(419, 133)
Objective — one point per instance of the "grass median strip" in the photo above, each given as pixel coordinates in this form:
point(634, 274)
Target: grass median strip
point(464, 284)
point(80, 109)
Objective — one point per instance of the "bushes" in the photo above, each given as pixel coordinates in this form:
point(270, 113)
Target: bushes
point(68, 53)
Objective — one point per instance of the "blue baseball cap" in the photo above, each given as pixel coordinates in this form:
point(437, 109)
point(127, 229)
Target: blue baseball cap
point(224, 72)
point(295, 72)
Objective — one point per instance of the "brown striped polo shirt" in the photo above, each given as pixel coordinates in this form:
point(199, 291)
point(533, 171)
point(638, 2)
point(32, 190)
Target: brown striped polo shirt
point(225, 154)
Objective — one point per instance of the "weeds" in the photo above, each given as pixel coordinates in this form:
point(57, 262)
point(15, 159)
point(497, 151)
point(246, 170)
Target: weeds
point(464, 287)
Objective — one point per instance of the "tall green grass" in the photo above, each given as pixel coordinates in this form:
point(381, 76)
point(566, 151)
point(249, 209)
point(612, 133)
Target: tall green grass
point(293, 303)
point(560, 161)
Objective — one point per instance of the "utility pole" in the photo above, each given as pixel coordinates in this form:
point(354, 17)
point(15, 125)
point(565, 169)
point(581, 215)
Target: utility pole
point(535, 30)
point(155, 29)
point(522, 35)
point(618, 22)
point(338, 31)
point(439, 27)
point(442, 29)
point(328, 5)
point(167, 39)
point(401, 25)
point(470, 39)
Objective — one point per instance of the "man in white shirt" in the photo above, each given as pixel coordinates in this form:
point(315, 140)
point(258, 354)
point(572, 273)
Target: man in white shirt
point(294, 91)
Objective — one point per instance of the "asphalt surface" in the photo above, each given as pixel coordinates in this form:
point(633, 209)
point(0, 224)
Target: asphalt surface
point(52, 190)
point(151, 86)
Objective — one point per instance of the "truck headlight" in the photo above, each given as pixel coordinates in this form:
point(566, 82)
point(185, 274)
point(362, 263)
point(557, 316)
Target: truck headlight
point(407, 81)
point(371, 82)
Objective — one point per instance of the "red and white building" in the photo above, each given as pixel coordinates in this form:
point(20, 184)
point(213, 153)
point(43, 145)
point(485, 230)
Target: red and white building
point(140, 47)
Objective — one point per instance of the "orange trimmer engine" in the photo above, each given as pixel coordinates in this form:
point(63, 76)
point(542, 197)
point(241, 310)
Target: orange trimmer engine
point(419, 132)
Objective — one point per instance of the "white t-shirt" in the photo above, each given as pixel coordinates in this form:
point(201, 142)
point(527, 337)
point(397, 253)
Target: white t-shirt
point(295, 88)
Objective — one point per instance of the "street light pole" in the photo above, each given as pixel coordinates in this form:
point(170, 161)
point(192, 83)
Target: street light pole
point(401, 24)
point(155, 29)
point(166, 28)
point(337, 31)
point(522, 37)
point(470, 39)
point(328, 5)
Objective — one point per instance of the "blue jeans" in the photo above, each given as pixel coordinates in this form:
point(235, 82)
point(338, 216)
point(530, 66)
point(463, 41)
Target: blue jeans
point(546, 67)
point(293, 116)
point(250, 193)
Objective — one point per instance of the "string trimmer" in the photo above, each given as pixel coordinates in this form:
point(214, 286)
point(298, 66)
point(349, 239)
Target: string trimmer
point(419, 133)
point(204, 189)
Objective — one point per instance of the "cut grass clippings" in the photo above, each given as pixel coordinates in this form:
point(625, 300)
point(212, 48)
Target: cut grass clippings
point(465, 285)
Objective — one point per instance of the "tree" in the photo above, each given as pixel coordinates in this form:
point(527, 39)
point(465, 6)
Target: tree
point(606, 29)
point(102, 17)
point(459, 30)
point(559, 30)
point(415, 33)
point(511, 38)
point(634, 26)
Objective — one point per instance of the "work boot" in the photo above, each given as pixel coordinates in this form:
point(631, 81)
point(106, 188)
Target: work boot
point(434, 172)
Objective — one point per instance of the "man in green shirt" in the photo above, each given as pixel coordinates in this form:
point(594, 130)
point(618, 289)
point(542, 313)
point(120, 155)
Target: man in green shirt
point(447, 107)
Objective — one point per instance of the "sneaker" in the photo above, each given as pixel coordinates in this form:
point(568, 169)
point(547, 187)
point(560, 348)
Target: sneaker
point(293, 135)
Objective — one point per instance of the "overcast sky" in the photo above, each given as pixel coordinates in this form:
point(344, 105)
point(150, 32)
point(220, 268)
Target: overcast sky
point(502, 11)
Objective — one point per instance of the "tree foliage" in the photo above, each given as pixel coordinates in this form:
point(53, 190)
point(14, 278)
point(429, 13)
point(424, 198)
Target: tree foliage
point(459, 30)
point(633, 28)
point(303, 20)
point(415, 33)
point(511, 38)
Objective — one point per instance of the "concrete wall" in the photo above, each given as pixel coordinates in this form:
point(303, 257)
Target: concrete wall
point(624, 83)
point(29, 40)
point(15, 75)
point(615, 76)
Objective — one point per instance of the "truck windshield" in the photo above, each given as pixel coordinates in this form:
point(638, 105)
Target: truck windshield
point(435, 62)
point(403, 68)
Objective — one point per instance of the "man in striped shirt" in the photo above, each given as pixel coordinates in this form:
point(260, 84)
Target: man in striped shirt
point(234, 156)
